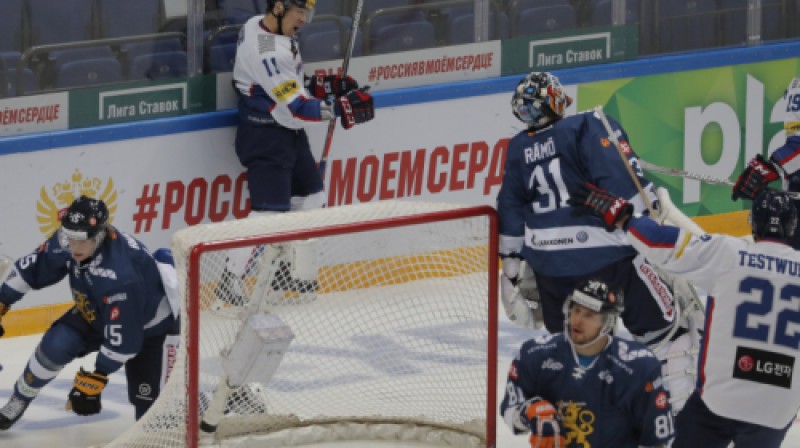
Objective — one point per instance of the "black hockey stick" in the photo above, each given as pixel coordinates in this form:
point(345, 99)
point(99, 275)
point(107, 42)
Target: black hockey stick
point(323, 161)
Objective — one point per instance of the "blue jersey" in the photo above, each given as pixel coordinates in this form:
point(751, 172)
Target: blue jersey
point(618, 400)
point(541, 168)
point(119, 292)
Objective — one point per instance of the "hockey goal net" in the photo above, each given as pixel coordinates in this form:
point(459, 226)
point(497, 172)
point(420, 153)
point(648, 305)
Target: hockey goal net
point(385, 321)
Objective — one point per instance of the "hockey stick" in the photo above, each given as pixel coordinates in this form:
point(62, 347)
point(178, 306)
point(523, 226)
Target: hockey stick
point(613, 137)
point(676, 172)
point(323, 161)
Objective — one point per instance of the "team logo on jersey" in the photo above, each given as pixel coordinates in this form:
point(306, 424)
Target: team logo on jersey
point(605, 142)
point(762, 366)
point(57, 198)
point(662, 401)
point(84, 306)
point(626, 148)
point(285, 90)
point(577, 421)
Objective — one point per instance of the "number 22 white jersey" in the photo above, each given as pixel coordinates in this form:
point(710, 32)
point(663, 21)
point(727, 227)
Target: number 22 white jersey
point(752, 333)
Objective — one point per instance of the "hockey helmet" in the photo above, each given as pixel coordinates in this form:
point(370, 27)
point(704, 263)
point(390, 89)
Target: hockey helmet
point(85, 219)
point(596, 296)
point(791, 121)
point(305, 4)
point(773, 215)
point(539, 100)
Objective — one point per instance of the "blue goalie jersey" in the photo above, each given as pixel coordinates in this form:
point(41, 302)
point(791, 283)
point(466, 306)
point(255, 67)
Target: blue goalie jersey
point(541, 170)
point(618, 400)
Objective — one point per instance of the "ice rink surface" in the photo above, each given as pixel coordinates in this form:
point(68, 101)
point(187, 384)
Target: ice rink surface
point(47, 424)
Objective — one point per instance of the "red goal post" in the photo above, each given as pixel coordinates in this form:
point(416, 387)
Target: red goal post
point(397, 340)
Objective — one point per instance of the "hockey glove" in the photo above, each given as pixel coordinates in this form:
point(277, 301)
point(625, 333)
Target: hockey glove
point(84, 398)
point(323, 86)
point(355, 107)
point(754, 178)
point(3, 310)
point(542, 419)
point(608, 207)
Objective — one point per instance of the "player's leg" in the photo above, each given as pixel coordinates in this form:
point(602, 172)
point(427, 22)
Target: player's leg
point(553, 292)
point(149, 370)
point(68, 338)
point(697, 427)
point(757, 436)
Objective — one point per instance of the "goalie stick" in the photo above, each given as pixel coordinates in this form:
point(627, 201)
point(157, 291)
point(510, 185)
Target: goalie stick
point(613, 137)
point(323, 161)
point(676, 172)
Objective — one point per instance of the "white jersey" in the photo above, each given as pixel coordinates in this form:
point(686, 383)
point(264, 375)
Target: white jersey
point(752, 340)
point(268, 74)
point(791, 121)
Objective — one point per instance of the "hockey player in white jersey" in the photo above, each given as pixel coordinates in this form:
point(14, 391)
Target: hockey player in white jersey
point(276, 101)
point(745, 392)
point(783, 163)
point(585, 387)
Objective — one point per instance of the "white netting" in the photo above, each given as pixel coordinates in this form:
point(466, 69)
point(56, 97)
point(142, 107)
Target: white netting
point(390, 337)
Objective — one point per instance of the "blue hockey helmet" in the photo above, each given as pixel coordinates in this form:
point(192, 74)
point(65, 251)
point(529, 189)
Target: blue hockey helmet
point(596, 296)
point(773, 215)
point(539, 100)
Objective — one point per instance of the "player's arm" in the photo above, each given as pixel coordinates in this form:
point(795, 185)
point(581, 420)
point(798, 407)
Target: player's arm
point(45, 266)
point(650, 403)
point(123, 327)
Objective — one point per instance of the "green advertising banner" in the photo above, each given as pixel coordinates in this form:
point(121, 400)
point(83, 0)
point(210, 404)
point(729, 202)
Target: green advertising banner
point(144, 101)
point(567, 49)
point(709, 122)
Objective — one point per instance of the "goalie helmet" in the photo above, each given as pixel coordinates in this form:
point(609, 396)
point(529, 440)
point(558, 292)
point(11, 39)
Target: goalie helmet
point(85, 219)
point(539, 100)
point(595, 295)
point(773, 215)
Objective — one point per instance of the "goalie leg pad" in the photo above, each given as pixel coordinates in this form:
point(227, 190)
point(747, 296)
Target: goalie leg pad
point(258, 349)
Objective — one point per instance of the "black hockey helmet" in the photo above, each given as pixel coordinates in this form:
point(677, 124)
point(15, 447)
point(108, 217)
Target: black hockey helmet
point(595, 295)
point(773, 215)
point(539, 100)
point(85, 219)
point(305, 4)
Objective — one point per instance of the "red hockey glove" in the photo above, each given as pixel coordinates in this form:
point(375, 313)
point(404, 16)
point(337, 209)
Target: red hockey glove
point(355, 107)
point(3, 310)
point(754, 178)
point(542, 419)
point(608, 207)
point(323, 86)
point(84, 398)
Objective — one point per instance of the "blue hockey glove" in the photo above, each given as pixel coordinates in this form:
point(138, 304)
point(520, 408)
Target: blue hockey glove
point(754, 178)
point(608, 207)
point(542, 418)
point(84, 398)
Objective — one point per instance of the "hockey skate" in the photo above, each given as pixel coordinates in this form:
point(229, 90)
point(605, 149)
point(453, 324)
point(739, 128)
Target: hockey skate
point(12, 411)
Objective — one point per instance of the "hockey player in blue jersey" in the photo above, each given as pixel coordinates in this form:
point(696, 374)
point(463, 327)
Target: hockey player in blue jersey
point(585, 387)
point(784, 162)
point(544, 162)
point(745, 392)
point(122, 310)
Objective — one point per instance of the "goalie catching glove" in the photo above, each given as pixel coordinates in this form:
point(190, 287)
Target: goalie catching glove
point(754, 178)
point(84, 398)
point(355, 107)
point(541, 418)
point(608, 207)
point(323, 86)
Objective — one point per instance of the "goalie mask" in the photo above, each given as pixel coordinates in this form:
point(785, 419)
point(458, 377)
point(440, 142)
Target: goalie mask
point(773, 215)
point(85, 219)
point(594, 295)
point(539, 100)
